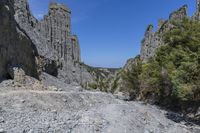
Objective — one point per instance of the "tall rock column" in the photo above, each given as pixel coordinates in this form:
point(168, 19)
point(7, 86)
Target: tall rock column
point(75, 48)
point(56, 27)
point(196, 16)
point(149, 43)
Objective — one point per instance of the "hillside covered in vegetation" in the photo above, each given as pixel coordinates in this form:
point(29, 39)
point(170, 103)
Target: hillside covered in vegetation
point(171, 78)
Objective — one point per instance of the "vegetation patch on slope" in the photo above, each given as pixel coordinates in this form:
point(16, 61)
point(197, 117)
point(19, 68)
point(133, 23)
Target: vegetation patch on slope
point(172, 77)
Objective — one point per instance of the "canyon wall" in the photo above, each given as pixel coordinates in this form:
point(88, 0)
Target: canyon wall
point(48, 45)
point(16, 48)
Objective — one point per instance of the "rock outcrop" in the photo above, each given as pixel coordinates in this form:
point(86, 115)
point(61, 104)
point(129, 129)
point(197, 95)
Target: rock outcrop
point(50, 47)
point(28, 23)
point(16, 47)
point(153, 40)
point(55, 27)
point(196, 16)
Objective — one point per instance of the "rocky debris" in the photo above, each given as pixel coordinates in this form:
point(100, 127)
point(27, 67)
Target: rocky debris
point(17, 74)
point(2, 120)
point(53, 111)
point(34, 84)
point(56, 84)
point(23, 82)
point(121, 96)
point(198, 113)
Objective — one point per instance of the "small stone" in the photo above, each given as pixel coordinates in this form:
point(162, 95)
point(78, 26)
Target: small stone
point(31, 131)
point(60, 89)
point(54, 118)
point(2, 120)
point(22, 101)
point(64, 100)
point(54, 111)
point(151, 131)
point(97, 130)
point(2, 131)
point(53, 88)
point(48, 126)
point(7, 8)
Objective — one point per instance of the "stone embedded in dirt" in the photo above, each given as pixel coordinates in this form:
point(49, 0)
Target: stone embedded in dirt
point(2, 120)
point(2, 131)
point(64, 100)
point(53, 88)
point(22, 101)
point(54, 111)
point(60, 89)
point(30, 131)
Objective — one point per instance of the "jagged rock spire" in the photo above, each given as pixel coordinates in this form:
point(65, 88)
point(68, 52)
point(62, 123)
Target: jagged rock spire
point(196, 16)
point(198, 5)
point(179, 14)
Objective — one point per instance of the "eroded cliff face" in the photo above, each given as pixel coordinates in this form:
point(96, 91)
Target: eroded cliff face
point(16, 48)
point(40, 46)
point(28, 23)
point(153, 40)
point(55, 27)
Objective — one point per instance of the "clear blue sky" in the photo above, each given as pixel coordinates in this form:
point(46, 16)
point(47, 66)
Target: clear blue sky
point(110, 31)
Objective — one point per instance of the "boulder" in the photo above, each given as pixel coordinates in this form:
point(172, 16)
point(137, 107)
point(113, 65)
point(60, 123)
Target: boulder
point(17, 74)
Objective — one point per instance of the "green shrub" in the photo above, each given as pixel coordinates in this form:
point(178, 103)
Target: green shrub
point(180, 59)
point(172, 76)
point(130, 77)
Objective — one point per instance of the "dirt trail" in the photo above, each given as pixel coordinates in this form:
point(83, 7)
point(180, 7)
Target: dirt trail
point(29, 111)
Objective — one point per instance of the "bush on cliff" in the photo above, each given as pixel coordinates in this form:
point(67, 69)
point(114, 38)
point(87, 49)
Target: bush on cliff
point(130, 77)
point(180, 59)
point(172, 76)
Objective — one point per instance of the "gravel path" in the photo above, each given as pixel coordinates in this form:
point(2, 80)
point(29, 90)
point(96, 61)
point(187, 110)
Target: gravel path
point(33, 111)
